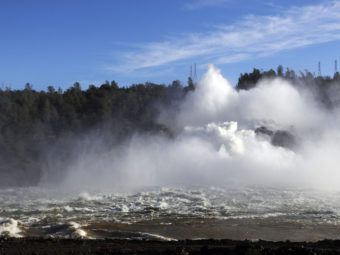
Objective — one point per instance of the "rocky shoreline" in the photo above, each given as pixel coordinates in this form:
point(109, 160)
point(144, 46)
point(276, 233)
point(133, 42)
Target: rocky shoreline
point(41, 246)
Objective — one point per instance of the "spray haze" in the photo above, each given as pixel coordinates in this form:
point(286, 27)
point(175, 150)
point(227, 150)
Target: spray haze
point(217, 143)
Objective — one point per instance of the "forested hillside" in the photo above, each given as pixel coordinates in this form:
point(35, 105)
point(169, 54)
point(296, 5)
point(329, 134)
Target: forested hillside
point(34, 122)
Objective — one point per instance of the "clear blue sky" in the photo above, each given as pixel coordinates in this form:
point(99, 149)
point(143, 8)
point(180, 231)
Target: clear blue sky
point(48, 42)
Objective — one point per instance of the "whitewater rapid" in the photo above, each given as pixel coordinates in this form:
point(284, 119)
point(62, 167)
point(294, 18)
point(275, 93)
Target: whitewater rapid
point(51, 213)
point(250, 164)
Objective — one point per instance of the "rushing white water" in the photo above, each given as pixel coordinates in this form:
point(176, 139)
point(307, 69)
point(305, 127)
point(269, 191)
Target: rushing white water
point(9, 227)
point(53, 213)
point(216, 167)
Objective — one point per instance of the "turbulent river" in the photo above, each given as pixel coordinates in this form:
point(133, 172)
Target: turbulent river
point(172, 213)
point(275, 135)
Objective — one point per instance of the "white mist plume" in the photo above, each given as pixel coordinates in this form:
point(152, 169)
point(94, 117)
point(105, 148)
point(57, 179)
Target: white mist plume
point(217, 143)
point(212, 96)
point(274, 102)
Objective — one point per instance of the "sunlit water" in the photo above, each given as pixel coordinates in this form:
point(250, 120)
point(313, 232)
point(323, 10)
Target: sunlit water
point(172, 213)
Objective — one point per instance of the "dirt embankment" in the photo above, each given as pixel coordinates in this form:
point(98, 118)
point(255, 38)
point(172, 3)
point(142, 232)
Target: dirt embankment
point(31, 246)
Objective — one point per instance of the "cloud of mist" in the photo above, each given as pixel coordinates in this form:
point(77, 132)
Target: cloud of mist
point(271, 102)
point(216, 143)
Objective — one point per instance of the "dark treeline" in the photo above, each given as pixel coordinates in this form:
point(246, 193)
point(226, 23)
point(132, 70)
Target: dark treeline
point(32, 123)
point(248, 81)
point(323, 87)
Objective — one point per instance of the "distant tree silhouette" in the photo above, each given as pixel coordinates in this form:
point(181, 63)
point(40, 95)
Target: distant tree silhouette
point(31, 120)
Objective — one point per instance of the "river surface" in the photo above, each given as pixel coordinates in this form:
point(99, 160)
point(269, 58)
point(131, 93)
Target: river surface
point(169, 213)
